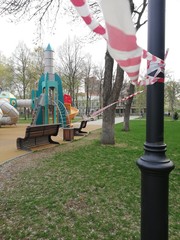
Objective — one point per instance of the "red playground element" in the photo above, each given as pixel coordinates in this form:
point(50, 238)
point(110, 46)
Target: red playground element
point(67, 99)
point(72, 111)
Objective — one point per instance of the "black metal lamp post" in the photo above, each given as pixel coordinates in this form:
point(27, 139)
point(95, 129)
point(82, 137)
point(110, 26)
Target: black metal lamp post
point(154, 165)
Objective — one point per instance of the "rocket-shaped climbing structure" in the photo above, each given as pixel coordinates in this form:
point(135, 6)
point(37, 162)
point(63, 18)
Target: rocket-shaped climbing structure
point(48, 102)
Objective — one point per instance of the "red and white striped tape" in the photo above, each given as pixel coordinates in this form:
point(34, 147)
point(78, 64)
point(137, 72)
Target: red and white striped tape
point(121, 39)
point(98, 112)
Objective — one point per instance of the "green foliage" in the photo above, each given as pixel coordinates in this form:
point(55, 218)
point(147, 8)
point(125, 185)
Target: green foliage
point(87, 192)
point(175, 116)
point(172, 94)
point(140, 100)
point(20, 73)
point(6, 74)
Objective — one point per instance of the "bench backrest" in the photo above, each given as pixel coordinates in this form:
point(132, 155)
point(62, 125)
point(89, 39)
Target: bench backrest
point(42, 130)
point(83, 124)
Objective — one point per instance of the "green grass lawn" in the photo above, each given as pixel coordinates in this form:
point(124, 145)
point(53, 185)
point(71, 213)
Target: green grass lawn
point(89, 192)
point(23, 121)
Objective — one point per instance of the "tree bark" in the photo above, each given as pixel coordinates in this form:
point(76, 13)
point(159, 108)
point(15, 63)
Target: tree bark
point(126, 126)
point(107, 136)
point(111, 93)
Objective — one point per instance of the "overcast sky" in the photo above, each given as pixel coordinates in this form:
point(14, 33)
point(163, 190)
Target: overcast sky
point(12, 34)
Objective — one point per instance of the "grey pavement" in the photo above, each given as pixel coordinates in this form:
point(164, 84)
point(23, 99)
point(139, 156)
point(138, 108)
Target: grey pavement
point(117, 120)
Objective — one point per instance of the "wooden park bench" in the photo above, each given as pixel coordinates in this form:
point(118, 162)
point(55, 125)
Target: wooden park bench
point(38, 135)
point(78, 131)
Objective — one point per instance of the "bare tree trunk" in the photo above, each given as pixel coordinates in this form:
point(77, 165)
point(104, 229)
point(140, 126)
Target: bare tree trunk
point(25, 114)
point(110, 95)
point(87, 100)
point(107, 136)
point(127, 109)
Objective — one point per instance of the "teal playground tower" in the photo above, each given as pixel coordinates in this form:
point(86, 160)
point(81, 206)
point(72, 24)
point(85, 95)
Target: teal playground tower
point(47, 101)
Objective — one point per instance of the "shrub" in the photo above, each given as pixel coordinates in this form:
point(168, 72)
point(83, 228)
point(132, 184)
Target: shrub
point(175, 116)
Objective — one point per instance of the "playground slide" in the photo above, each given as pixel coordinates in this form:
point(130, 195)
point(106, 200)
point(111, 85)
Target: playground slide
point(1, 114)
point(11, 114)
point(24, 102)
point(73, 112)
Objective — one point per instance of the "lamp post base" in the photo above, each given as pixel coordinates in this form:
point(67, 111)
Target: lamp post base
point(155, 169)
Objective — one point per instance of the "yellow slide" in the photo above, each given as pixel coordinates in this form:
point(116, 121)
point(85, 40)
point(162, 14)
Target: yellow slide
point(72, 112)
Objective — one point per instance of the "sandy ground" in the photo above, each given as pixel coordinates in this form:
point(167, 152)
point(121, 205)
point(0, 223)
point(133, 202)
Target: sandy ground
point(9, 134)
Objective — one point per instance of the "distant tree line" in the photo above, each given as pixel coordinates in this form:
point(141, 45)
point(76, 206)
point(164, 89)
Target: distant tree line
point(20, 73)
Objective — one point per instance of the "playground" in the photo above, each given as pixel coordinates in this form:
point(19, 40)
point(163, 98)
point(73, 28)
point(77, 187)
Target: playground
point(9, 134)
point(52, 111)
